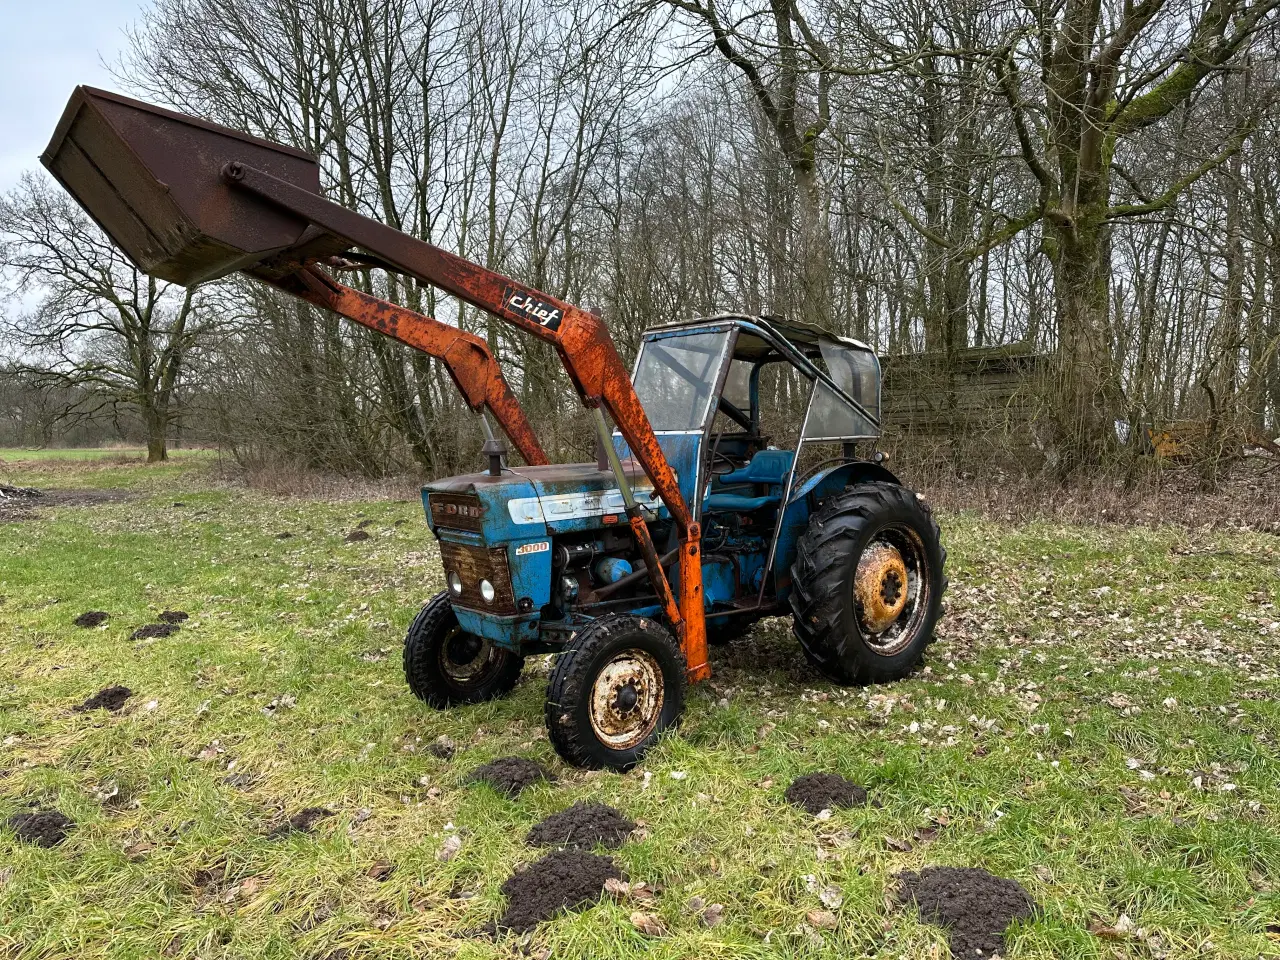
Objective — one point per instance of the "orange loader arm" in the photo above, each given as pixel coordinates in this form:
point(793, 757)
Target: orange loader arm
point(585, 348)
point(467, 357)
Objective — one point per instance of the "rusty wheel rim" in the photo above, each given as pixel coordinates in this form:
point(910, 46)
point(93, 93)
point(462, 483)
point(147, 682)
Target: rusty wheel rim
point(465, 658)
point(626, 699)
point(890, 588)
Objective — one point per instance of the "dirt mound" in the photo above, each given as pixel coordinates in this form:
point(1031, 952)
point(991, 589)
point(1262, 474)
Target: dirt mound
point(582, 826)
point(816, 792)
point(974, 906)
point(559, 881)
point(174, 616)
point(44, 828)
point(92, 618)
point(510, 775)
point(303, 821)
point(356, 536)
point(108, 698)
point(18, 503)
point(153, 631)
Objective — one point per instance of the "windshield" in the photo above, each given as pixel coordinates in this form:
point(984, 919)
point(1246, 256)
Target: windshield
point(676, 378)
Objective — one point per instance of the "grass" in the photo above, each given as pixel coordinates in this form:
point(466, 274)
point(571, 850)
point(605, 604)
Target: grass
point(1097, 721)
point(35, 454)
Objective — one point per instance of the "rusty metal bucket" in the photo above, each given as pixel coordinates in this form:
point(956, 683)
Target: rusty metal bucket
point(151, 178)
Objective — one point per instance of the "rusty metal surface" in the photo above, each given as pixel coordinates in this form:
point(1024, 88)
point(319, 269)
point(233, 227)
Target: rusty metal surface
point(149, 177)
point(626, 699)
point(473, 564)
point(881, 586)
point(457, 511)
point(466, 356)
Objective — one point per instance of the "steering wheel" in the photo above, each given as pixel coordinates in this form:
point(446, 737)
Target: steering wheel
point(722, 463)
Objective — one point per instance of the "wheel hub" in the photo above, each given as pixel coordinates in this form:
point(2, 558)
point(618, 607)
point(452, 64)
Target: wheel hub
point(462, 648)
point(881, 586)
point(626, 699)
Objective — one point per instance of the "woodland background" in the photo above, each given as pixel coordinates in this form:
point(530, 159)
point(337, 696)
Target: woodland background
point(1057, 220)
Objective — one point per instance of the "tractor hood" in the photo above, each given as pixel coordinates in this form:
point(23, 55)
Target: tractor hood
point(526, 502)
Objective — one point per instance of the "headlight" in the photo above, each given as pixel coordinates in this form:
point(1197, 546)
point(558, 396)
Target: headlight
point(455, 584)
point(486, 591)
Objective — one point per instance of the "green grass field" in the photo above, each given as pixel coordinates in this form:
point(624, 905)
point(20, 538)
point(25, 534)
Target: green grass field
point(13, 455)
point(1097, 721)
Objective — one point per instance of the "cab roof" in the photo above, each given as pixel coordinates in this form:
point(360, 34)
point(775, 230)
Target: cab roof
point(758, 334)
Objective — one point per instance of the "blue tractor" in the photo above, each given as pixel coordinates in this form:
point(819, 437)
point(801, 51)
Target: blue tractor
point(540, 559)
point(690, 525)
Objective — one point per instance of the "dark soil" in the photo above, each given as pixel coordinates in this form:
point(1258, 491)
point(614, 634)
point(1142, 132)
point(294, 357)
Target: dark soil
point(442, 747)
point(17, 503)
point(582, 826)
point(92, 618)
point(559, 881)
point(174, 616)
point(303, 821)
point(816, 792)
point(108, 698)
point(284, 536)
point(356, 536)
point(154, 630)
point(974, 906)
point(44, 828)
point(510, 775)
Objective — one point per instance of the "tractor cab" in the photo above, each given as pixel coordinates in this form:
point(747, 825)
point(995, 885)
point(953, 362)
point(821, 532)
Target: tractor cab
point(700, 384)
point(741, 405)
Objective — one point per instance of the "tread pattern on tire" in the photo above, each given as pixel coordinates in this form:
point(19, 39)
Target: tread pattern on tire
point(420, 659)
point(819, 573)
point(568, 675)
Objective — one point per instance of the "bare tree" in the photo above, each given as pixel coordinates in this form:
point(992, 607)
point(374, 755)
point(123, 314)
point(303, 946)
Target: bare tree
point(97, 324)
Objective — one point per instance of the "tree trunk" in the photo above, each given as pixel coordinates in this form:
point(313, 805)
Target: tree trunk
point(814, 267)
point(157, 422)
point(1087, 396)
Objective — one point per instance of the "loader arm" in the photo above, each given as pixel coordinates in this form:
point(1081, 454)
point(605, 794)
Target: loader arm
point(467, 357)
point(585, 348)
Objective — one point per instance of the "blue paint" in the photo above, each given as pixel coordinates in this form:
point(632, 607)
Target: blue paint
point(611, 569)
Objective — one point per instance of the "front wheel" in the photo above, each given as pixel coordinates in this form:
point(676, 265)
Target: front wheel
point(867, 584)
point(446, 666)
point(616, 686)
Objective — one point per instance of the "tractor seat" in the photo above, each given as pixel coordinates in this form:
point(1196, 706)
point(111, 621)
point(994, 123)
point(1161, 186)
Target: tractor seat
point(767, 468)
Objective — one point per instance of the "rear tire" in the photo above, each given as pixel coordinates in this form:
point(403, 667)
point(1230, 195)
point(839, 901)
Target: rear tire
point(615, 688)
point(867, 584)
point(447, 667)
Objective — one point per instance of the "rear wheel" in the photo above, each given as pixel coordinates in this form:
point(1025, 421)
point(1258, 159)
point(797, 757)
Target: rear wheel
point(867, 584)
point(616, 686)
point(446, 666)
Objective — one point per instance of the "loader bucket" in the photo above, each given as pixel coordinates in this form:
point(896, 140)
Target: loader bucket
point(152, 180)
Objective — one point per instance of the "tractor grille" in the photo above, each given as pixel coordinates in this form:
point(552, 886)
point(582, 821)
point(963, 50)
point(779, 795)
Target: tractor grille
point(473, 564)
point(458, 511)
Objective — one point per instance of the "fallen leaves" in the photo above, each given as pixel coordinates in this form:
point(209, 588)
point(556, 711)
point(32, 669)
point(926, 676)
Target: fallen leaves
point(822, 919)
point(450, 848)
point(648, 923)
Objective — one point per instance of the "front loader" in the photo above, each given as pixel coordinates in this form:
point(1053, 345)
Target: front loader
point(690, 525)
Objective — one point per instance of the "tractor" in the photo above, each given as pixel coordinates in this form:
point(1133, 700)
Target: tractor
point(689, 526)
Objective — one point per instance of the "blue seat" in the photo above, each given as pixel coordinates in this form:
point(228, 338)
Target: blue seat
point(767, 468)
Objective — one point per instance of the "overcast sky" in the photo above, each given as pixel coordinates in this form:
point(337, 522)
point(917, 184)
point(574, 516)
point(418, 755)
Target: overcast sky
point(46, 48)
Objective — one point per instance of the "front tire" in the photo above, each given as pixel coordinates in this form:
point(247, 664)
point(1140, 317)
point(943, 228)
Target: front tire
point(868, 581)
point(618, 684)
point(447, 667)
